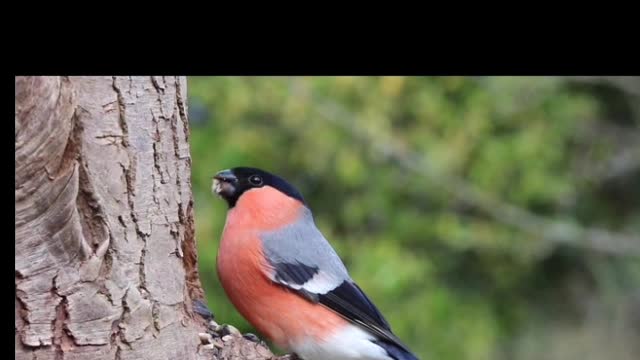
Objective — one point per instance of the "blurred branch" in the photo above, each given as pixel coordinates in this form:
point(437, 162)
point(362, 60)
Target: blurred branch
point(625, 152)
point(618, 165)
point(627, 84)
point(551, 230)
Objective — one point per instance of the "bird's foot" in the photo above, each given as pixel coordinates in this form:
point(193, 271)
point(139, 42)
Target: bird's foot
point(254, 338)
point(251, 337)
point(292, 356)
point(200, 308)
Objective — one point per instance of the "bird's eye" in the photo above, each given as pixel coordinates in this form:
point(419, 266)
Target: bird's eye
point(255, 180)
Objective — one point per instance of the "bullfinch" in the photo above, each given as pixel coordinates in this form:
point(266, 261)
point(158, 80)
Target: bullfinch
point(284, 277)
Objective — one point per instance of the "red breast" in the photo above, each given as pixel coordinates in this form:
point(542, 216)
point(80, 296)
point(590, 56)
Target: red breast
point(275, 311)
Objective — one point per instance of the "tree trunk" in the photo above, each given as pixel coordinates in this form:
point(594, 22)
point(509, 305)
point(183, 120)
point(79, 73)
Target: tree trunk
point(105, 262)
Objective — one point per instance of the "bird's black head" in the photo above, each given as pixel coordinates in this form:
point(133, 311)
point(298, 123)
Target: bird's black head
point(232, 183)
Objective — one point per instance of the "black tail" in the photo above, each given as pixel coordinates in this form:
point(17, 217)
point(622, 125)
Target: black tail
point(395, 351)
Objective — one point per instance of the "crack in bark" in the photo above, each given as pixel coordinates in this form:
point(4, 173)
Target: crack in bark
point(121, 112)
point(190, 257)
point(174, 230)
point(129, 176)
point(23, 311)
point(159, 88)
point(126, 310)
point(63, 339)
point(105, 270)
point(58, 328)
point(155, 314)
point(156, 153)
point(182, 109)
point(141, 274)
point(174, 132)
point(156, 162)
point(153, 176)
point(117, 337)
point(176, 149)
point(124, 226)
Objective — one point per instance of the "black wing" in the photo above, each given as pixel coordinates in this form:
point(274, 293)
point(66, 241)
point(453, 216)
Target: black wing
point(346, 299)
point(294, 276)
point(350, 302)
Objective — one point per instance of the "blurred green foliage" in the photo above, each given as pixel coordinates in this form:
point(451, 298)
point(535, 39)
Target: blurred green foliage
point(454, 282)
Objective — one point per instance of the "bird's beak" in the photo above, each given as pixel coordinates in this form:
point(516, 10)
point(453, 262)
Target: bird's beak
point(224, 183)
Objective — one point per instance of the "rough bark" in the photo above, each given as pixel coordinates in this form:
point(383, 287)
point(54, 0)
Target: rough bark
point(105, 262)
